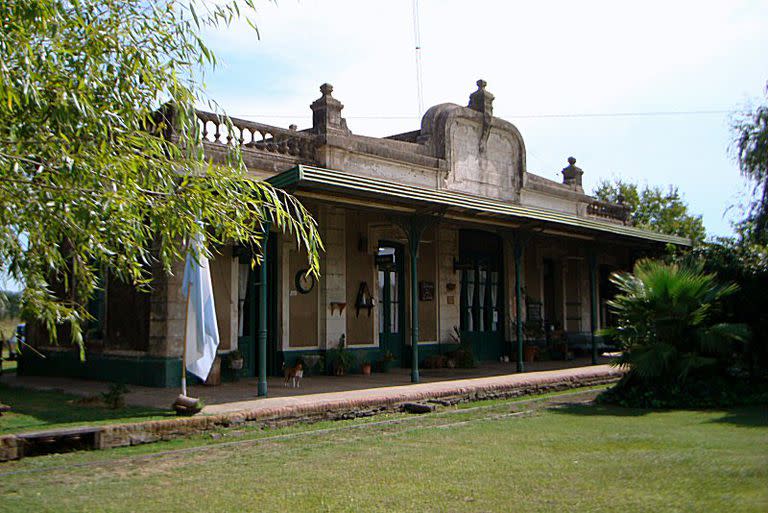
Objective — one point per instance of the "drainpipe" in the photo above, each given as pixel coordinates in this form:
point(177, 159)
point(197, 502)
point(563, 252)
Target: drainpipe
point(518, 251)
point(261, 335)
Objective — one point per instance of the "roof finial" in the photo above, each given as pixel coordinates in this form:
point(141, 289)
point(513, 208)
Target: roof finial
point(326, 113)
point(572, 174)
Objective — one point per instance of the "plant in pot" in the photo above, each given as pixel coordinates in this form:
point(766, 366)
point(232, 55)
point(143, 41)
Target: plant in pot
point(236, 360)
point(533, 331)
point(462, 357)
point(340, 358)
point(365, 367)
point(385, 363)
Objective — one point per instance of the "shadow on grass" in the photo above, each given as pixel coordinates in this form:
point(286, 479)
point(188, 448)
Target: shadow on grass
point(593, 409)
point(746, 416)
point(42, 409)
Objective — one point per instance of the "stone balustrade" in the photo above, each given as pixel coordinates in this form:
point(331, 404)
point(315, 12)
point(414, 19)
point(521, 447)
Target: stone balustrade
point(606, 210)
point(257, 136)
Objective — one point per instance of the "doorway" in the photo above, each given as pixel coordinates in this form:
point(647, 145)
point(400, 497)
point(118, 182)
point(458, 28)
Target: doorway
point(389, 263)
point(482, 309)
point(248, 312)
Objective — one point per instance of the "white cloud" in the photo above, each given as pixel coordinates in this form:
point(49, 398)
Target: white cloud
point(538, 58)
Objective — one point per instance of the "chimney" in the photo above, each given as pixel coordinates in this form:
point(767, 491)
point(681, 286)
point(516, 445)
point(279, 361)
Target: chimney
point(326, 113)
point(572, 175)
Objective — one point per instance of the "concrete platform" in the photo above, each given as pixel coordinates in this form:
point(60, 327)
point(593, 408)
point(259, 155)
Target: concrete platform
point(244, 391)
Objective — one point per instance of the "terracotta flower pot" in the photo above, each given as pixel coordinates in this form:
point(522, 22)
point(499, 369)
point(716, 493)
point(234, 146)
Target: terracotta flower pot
point(529, 353)
point(366, 368)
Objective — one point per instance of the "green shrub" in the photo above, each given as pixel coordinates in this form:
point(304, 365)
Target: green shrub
point(670, 336)
point(114, 398)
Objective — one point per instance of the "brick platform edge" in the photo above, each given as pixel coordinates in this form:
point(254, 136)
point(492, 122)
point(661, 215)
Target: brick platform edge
point(336, 406)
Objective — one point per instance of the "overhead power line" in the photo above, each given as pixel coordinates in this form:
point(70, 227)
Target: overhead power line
point(519, 116)
point(417, 44)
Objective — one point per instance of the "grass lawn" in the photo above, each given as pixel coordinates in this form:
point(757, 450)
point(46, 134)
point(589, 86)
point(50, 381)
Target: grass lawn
point(8, 366)
point(7, 328)
point(574, 458)
point(34, 410)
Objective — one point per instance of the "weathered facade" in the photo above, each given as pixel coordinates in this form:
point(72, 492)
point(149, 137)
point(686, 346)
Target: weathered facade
point(429, 235)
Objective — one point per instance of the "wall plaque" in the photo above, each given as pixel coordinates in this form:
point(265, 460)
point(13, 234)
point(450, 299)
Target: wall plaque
point(426, 290)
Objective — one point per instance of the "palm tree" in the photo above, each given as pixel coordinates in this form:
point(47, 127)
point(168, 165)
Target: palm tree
point(665, 323)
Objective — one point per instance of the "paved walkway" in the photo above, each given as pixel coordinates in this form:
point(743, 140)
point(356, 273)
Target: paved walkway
point(221, 397)
point(371, 397)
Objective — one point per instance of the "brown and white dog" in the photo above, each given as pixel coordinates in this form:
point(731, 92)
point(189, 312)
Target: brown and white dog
point(293, 375)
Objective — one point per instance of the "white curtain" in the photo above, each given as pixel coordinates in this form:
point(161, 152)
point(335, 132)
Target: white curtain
point(242, 291)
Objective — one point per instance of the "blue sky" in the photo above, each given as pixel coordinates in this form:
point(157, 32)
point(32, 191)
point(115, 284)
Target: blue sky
point(539, 58)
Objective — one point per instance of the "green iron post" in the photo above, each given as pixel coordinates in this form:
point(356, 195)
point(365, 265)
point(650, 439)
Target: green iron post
point(593, 302)
point(261, 339)
point(519, 304)
point(414, 236)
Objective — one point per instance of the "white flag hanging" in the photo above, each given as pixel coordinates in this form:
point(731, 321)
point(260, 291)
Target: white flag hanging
point(202, 335)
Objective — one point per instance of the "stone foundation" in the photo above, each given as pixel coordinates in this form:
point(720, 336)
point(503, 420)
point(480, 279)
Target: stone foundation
point(340, 406)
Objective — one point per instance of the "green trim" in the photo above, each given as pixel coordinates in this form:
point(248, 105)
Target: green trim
point(135, 370)
point(414, 237)
point(286, 178)
point(315, 176)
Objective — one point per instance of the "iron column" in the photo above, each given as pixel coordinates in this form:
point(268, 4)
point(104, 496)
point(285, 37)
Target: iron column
point(414, 236)
point(518, 250)
point(593, 302)
point(261, 336)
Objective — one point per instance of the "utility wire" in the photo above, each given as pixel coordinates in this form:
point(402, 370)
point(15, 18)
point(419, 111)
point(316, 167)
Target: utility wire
point(417, 43)
point(521, 116)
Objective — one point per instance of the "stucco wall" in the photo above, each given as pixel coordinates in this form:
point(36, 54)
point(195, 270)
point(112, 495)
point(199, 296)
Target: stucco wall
point(224, 274)
point(448, 283)
point(359, 269)
point(302, 307)
point(490, 173)
point(427, 272)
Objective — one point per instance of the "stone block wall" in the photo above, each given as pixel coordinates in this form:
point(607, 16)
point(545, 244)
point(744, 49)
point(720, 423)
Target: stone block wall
point(333, 283)
point(449, 300)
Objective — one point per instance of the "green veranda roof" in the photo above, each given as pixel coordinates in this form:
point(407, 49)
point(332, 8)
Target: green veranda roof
point(309, 177)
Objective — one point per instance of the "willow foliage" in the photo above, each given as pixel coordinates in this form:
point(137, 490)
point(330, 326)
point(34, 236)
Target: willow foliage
point(89, 179)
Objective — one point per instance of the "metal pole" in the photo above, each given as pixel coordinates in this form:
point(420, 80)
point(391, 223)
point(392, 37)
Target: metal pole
point(261, 338)
point(593, 302)
point(519, 304)
point(184, 348)
point(413, 238)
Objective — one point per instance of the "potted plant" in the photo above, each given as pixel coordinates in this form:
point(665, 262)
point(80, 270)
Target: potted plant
point(340, 358)
point(533, 333)
point(462, 357)
point(385, 363)
point(366, 368)
point(236, 360)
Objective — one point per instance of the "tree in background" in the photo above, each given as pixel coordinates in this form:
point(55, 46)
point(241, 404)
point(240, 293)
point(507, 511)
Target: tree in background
point(653, 208)
point(745, 263)
point(88, 182)
point(10, 304)
point(751, 148)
